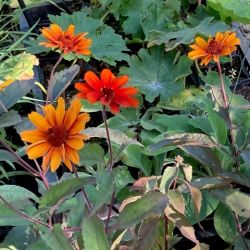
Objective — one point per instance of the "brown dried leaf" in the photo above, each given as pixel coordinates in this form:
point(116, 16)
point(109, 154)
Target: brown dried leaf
point(188, 172)
point(197, 197)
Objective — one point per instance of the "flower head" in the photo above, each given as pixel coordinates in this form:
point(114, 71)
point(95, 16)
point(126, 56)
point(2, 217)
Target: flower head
point(57, 135)
point(108, 90)
point(222, 44)
point(66, 41)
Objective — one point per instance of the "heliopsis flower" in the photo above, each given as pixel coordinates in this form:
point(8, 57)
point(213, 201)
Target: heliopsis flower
point(108, 90)
point(66, 41)
point(222, 44)
point(57, 135)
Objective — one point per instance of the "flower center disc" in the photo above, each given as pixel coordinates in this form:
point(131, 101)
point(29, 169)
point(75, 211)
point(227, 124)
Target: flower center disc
point(107, 92)
point(214, 48)
point(57, 136)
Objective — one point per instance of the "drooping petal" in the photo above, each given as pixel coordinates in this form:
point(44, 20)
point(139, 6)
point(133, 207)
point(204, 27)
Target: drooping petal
point(56, 159)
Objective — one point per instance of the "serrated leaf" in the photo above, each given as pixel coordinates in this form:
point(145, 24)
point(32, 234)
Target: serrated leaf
point(225, 224)
point(185, 36)
point(11, 94)
point(151, 204)
point(163, 77)
point(60, 81)
point(63, 189)
point(115, 135)
point(9, 118)
point(233, 10)
point(94, 235)
point(238, 201)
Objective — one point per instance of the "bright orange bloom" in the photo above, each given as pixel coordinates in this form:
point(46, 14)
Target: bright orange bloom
point(108, 90)
point(222, 44)
point(57, 135)
point(66, 41)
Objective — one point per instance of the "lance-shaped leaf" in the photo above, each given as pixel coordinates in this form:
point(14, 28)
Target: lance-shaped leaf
point(169, 175)
point(239, 202)
point(9, 119)
point(151, 204)
point(15, 91)
point(164, 77)
point(61, 80)
point(63, 189)
point(94, 235)
point(6, 156)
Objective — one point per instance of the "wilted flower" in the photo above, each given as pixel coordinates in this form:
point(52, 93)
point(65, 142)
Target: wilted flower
point(57, 135)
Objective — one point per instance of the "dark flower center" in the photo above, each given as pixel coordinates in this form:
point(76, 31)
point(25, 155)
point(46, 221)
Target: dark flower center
point(214, 48)
point(57, 136)
point(107, 92)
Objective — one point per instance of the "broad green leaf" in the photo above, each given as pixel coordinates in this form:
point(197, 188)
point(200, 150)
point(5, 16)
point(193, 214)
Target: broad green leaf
point(163, 77)
point(237, 177)
point(238, 201)
point(208, 205)
point(151, 204)
point(61, 80)
point(107, 45)
point(9, 119)
point(6, 156)
point(94, 235)
point(63, 189)
point(173, 39)
point(56, 239)
point(176, 200)
point(115, 135)
point(169, 175)
point(134, 157)
point(92, 154)
point(11, 94)
point(232, 10)
point(225, 224)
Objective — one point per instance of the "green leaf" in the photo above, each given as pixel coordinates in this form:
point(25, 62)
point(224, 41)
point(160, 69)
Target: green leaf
point(236, 200)
point(9, 119)
point(169, 175)
point(56, 239)
point(224, 223)
point(232, 10)
point(61, 80)
point(134, 157)
point(151, 204)
point(208, 205)
point(115, 135)
point(185, 36)
point(94, 235)
point(14, 92)
point(62, 190)
point(6, 156)
point(163, 77)
point(176, 200)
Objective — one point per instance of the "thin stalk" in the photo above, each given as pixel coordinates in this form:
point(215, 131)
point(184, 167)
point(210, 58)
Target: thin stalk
point(42, 175)
point(51, 77)
point(240, 231)
point(226, 106)
point(110, 210)
point(104, 117)
point(20, 161)
point(166, 232)
point(22, 215)
point(83, 191)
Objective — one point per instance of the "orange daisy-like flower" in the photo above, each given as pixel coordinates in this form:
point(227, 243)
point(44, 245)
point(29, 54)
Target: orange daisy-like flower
point(222, 44)
point(108, 90)
point(57, 135)
point(66, 41)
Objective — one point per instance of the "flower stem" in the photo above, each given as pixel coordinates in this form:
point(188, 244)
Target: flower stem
point(51, 77)
point(42, 175)
point(83, 191)
point(226, 106)
point(22, 215)
point(104, 117)
point(166, 232)
point(20, 161)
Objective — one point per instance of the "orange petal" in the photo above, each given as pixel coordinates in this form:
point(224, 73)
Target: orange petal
point(68, 164)
point(75, 143)
point(39, 121)
point(50, 114)
point(92, 80)
point(56, 159)
point(38, 149)
point(72, 155)
point(60, 111)
point(33, 136)
point(201, 42)
point(79, 124)
point(107, 77)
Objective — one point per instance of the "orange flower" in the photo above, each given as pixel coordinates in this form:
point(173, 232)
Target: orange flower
point(57, 135)
point(222, 44)
point(66, 41)
point(108, 90)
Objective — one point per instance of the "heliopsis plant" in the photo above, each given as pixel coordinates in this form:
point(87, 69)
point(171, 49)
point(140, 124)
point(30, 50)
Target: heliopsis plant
point(109, 90)
point(57, 136)
point(66, 41)
point(222, 44)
